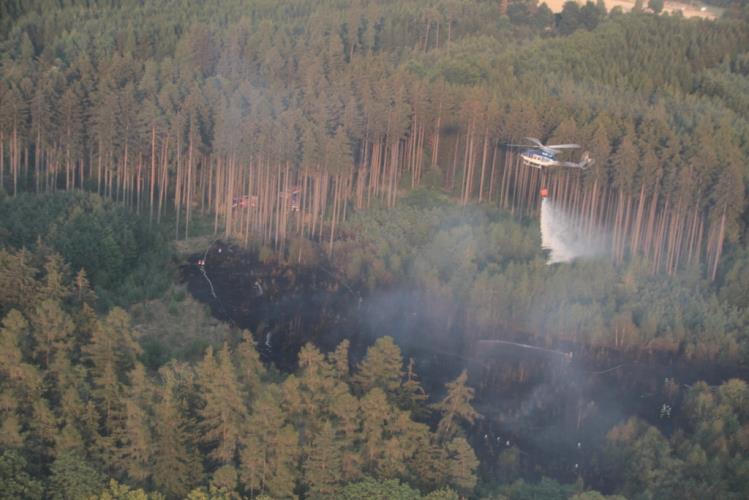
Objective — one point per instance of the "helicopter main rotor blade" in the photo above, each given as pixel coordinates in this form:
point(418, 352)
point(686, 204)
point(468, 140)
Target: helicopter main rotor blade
point(563, 146)
point(535, 141)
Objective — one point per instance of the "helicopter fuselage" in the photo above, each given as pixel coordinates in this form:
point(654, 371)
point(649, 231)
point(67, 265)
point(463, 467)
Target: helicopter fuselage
point(538, 158)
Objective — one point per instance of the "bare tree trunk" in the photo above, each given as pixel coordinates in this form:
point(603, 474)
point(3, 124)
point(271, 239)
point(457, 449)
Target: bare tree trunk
point(164, 179)
point(152, 178)
point(483, 164)
point(188, 188)
point(718, 246)
point(635, 240)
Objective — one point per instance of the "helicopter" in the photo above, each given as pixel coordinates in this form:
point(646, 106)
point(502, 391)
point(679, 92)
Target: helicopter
point(540, 156)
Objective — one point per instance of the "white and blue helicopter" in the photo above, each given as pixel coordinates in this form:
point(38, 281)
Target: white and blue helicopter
point(540, 156)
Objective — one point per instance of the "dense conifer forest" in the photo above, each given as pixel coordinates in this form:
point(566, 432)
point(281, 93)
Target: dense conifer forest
point(365, 138)
point(75, 394)
point(336, 106)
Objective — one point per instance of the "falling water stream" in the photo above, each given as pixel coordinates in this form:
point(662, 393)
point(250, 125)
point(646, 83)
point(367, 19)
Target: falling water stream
point(564, 239)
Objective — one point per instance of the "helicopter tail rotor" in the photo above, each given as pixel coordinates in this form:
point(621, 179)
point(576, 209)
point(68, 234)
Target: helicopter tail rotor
point(586, 161)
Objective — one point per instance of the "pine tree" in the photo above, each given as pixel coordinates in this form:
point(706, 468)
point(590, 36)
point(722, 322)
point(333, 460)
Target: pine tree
point(136, 452)
point(430, 465)
point(72, 415)
point(83, 292)
point(69, 440)
point(411, 395)
point(52, 331)
point(73, 477)
point(72, 133)
point(445, 493)
point(43, 122)
point(40, 439)
point(21, 385)
point(381, 367)
point(14, 328)
point(175, 466)
point(13, 118)
point(375, 412)
point(340, 360)
point(270, 449)
point(322, 464)
point(111, 352)
point(456, 405)
point(225, 480)
point(317, 385)
point(18, 288)
point(291, 397)
point(56, 276)
point(11, 435)
point(462, 465)
point(345, 412)
point(249, 367)
point(117, 491)
point(224, 414)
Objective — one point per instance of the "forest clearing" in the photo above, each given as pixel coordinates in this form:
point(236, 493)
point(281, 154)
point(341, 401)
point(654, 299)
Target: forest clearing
point(688, 9)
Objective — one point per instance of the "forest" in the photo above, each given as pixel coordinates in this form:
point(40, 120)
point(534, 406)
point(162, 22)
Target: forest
point(75, 394)
point(282, 118)
point(484, 274)
point(366, 139)
point(90, 410)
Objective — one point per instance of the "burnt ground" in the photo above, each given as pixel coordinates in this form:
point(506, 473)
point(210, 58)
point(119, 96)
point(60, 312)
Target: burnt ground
point(552, 407)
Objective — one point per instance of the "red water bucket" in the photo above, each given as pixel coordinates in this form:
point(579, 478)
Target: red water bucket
point(544, 192)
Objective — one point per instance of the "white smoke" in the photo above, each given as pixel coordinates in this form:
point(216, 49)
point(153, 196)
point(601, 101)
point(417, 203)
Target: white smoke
point(564, 239)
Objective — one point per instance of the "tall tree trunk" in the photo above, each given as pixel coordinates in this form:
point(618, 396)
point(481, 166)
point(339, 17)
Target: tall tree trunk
point(188, 188)
point(152, 177)
point(635, 240)
point(718, 246)
point(484, 155)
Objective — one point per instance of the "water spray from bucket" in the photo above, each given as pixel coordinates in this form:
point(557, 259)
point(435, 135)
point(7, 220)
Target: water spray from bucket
point(562, 237)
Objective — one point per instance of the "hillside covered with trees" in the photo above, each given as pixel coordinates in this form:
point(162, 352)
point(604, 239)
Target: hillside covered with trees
point(482, 273)
point(281, 118)
point(88, 410)
point(79, 407)
point(366, 139)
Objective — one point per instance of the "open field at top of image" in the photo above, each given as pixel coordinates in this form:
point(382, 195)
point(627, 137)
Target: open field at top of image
point(689, 9)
